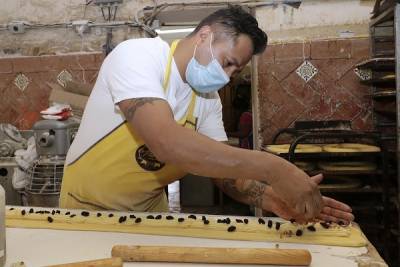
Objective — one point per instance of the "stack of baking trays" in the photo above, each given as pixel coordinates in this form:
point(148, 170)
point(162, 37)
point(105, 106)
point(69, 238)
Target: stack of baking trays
point(352, 162)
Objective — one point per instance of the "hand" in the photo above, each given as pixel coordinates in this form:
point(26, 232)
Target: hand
point(333, 210)
point(298, 191)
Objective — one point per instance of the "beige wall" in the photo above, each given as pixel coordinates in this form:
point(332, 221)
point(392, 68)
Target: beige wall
point(316, 19)
point(313, 19)
point(57, 41)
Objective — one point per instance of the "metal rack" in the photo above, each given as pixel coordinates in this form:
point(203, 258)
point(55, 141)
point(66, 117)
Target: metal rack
point(372, 204)
point(384, 67)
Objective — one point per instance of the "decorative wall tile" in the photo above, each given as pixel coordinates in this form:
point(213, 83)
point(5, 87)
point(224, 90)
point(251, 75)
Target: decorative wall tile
point(306, 71)
point(335, 93)
point(63, 77)
point(22, 108)
point(21, 81)
point(363, 74)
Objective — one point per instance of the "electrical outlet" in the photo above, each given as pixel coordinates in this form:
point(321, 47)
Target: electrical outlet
point(81, 26)
point(16, 26)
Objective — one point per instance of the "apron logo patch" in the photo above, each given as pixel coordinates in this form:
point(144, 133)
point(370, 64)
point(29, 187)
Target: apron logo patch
point(146, 159)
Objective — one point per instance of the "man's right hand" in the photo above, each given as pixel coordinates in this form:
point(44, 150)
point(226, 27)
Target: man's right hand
point(299, 191)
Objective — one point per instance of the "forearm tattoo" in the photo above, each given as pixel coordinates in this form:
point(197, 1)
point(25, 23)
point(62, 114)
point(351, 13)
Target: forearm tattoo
point(133, 104)
point(246, 189)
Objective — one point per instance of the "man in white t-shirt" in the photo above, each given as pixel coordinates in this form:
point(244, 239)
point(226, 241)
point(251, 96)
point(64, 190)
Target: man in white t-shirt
point(154, 115)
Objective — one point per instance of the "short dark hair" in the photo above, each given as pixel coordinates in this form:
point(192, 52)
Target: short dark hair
point(235, 21)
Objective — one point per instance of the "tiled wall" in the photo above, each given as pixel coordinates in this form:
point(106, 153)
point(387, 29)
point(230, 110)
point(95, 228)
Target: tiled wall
point(334, 92)
point(24, 91)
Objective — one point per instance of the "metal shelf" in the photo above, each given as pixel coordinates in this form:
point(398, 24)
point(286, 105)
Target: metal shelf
point(362, 190)
point(386, 15)
point(343, 173)
point(384, 94)
point(378, 63)
point(380, 81)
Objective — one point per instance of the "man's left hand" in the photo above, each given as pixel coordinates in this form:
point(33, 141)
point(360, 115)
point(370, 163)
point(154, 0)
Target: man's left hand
point(334, 211)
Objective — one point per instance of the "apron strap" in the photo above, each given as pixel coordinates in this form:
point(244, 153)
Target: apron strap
point(169, 64)
point(189, 117)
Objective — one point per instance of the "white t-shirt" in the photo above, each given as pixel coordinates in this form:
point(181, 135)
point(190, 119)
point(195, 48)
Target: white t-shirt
point(135, 69)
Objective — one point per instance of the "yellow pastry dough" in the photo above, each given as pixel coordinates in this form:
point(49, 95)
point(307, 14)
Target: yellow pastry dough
point(202, 226)
point(301, 148)
point(347, 166)
point(350, 147)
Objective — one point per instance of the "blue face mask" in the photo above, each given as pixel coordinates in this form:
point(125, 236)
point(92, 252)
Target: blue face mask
point(205, 79)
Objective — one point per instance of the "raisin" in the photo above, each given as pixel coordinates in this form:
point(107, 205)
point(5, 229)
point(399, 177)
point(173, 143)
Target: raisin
point(239, 221)
point(231, 228)
point(122, 219)
point(311, 228)
point(299, 232)
point(181, 219)
point(23, 212)
point(11, 209)
point(228, 221)
point(169, 217)
point(72, 215)
point(324, 224)
point(269, 224)
point(138, 220)
point(67, 213)
point(206, 221)
point(192, 217)
point(246, 221)
point(31, 210)
point(150, 217)
point(132, 216)
point(277, 225)
point(98, 214)
point(49, 219)
point(110, 215)
point(158, 217)
point(85, 213)
point(292, 220)
point(261, 221)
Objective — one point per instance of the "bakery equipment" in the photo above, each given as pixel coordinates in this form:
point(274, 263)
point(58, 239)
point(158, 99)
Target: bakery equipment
point(10, 140)
point(53, 139)
point(347, 155)
point(270, 256)
point(7, 166)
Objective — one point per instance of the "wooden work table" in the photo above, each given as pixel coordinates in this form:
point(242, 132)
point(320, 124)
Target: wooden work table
point(40, 247)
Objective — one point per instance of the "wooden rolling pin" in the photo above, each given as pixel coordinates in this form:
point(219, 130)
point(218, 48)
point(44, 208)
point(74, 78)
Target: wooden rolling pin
point(298, 257)
point(111, 262)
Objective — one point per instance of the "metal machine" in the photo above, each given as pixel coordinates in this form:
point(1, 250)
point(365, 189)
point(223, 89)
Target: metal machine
point(53, 139)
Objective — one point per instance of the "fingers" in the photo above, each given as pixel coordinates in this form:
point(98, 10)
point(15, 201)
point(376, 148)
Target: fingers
point(313, 206)
point(317, 179)
point(335, 215)
point(330, 202)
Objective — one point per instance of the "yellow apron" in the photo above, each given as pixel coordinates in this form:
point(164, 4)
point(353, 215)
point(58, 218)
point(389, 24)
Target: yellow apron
point(119, 172)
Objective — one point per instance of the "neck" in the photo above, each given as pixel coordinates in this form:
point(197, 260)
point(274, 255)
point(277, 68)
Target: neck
point(183, 54)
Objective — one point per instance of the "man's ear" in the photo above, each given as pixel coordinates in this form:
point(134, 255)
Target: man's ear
point(203, 33)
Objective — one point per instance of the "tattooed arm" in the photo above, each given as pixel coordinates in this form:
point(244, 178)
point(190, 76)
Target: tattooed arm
point(246, 191)
point(153, 120)
point(262, 196)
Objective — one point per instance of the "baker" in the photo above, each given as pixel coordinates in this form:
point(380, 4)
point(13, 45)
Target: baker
point(154, 115)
